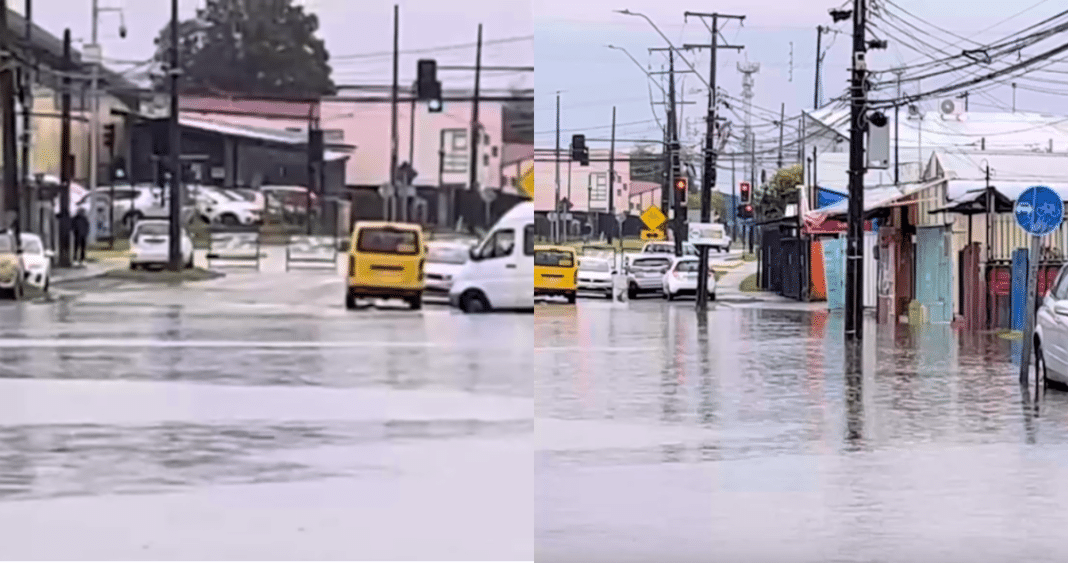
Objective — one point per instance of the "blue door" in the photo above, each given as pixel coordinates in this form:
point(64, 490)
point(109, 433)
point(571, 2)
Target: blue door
point(934, 274)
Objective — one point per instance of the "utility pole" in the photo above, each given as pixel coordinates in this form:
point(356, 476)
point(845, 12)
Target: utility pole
point(734, 202)
point(667, 192)
point(64, 156)
point(476, 128)
point(12, 203)
point(782, 125)
point(854, 303)
point(897, 130)
point(27, 111)
point(555, 223)
point(176, 150)
point(612, 181)
point(95, 58)
point(709, 171)
point(673, 149)
point(394, 140)
point(748, 69)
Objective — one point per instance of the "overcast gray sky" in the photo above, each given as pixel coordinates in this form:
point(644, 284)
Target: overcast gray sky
point(352, 29)
point(571, 56)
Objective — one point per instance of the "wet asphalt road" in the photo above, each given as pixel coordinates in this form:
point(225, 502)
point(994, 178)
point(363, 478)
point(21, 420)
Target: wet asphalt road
point(129, 401)
point(661, 438)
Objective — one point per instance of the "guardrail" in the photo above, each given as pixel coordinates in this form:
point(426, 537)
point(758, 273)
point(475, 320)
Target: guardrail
point(235, 250)
point(311, 252)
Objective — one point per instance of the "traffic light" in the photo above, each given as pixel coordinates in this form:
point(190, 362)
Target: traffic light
point(109, 135)
point(579, 150)
point(427, 86)
point(745, 211)
point(746, 192)
point(682, 188)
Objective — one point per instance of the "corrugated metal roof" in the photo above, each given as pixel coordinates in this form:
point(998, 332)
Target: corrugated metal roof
point(273, 135)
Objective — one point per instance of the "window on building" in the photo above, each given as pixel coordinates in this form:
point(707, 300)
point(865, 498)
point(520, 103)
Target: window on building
point(494, 152)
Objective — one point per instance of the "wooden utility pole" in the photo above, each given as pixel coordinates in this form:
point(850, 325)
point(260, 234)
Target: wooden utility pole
point(12, 205)
point(782, 126)
point(476, 127)
point(175, 147)
point(612, 179)
point(709, 171)
point(65, 168)
point(854, 304)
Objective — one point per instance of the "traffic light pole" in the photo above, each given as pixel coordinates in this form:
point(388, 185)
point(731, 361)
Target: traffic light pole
point(709, 172)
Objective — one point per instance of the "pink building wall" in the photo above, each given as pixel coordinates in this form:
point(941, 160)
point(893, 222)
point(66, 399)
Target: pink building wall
point(545, 181)
point(367, 125)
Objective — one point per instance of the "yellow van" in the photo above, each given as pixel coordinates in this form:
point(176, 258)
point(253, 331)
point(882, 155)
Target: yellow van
point(555, 271)
point(386, 260)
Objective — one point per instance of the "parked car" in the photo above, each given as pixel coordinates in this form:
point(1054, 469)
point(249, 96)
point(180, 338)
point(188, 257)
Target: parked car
point(10, 269)
point(1051, 332)
point(37, 261)
point(135, 202)
point(290, 201)
point(255, 196)
point(668, 248)
point(444, 260)
point(681, 278)
point(645, 273)
point(219, 206)
point(595, 275)
point(150, 245)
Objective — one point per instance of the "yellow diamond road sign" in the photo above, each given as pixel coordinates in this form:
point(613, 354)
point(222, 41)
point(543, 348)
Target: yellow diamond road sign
point(526, 183)
point(653, 217)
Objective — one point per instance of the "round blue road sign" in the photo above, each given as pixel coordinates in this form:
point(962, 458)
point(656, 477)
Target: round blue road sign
point(1039, 210)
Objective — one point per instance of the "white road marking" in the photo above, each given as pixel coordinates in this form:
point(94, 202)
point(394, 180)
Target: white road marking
point(12, 343)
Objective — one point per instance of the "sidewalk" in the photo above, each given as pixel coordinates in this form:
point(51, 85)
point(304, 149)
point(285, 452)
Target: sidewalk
point(728, 292)
point(98, 263)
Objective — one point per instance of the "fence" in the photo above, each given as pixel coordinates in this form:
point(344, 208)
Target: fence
point(235, 250)
point(311, 252)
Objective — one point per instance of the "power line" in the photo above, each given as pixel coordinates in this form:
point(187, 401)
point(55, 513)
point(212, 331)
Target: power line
point(453, 47)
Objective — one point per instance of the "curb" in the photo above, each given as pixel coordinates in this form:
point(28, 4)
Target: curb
point(72, 279)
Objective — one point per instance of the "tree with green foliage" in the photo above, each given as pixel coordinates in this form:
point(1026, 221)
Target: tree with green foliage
point(263, 47)
point(780, 191)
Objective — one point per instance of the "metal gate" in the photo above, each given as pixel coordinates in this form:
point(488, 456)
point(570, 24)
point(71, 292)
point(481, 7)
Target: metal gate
point(792, 267)
point(934, 275)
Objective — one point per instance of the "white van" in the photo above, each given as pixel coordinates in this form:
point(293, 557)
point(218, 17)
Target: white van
point(500, 273)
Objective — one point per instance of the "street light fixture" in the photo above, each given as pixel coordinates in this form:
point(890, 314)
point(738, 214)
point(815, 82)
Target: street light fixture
point(649, 76)
point(668, 41)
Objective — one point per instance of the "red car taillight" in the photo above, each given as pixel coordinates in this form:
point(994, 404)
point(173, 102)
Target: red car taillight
point(352, 265)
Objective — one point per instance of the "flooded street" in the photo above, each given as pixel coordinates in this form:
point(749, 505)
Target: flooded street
point(662, 438)
point(253, 417)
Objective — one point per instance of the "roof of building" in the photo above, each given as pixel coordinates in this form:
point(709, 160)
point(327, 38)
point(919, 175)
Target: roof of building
point(638, 187)
point(271, 135)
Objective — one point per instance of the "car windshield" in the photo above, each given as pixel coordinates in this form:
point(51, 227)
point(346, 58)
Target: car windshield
point(153, 229)
point(686, 266)
point(554, 258)
point(446, 255)
point(31, 245)
point(650, 263)
point(593, 265)
point(388, 240)
point(660, 249)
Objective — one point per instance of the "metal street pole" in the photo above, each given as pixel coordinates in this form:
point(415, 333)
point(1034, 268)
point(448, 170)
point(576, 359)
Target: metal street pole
point(816, 90)
point(710, 148)
point(176, 150)
point(673, 147)
point(854, 304)
point(612, 181)
point(555, 222)
point(782, 125)
point(94, 100)
point(394, 93)
point(476, 129)
point(1032, 291)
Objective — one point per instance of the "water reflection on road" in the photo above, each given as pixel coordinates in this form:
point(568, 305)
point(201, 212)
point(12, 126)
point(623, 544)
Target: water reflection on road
point(739, 435)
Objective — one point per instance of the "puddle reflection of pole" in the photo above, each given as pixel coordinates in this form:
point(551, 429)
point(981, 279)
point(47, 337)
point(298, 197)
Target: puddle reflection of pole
point(705, 365)
point(1030, 413)
point(668, 384)
point(854, 394)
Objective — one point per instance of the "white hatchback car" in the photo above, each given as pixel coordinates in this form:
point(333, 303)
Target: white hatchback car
point(595, 275)
point(150, 245)
point(681, 279)
point(444, 260)
point(37, 261)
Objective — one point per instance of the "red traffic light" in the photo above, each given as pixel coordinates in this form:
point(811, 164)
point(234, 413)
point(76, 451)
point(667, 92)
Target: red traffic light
point(745, 190)
point(681, 184)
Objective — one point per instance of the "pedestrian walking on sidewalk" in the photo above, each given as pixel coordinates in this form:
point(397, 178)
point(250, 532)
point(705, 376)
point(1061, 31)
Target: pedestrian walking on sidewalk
point(81, 235)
